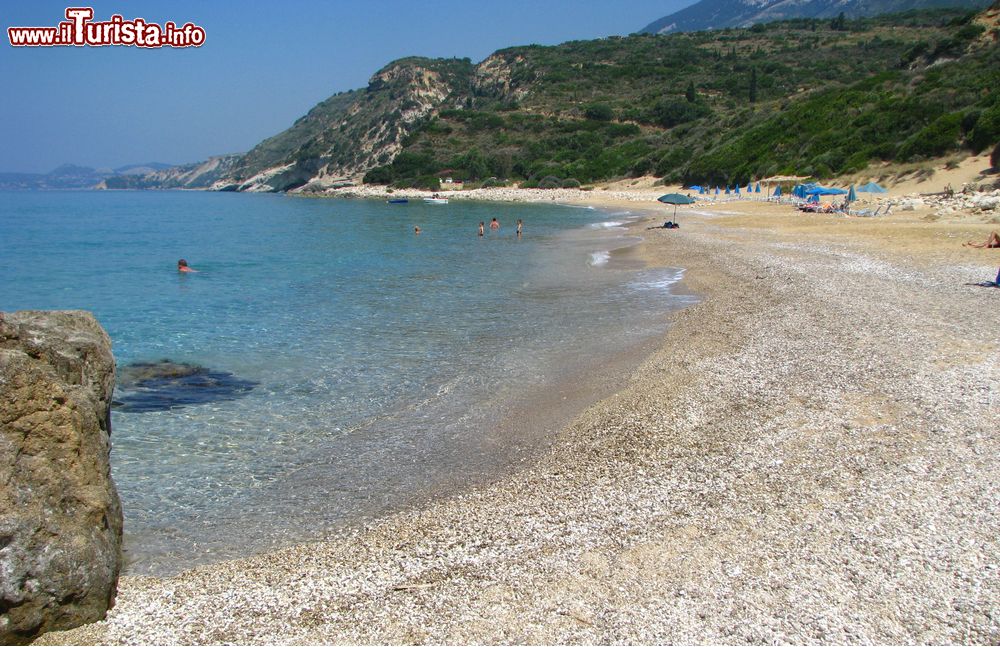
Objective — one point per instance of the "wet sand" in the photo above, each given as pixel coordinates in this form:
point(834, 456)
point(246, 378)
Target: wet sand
point(809, 455)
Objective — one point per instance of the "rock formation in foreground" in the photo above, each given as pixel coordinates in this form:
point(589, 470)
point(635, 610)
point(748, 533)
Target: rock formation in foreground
point(60, 515)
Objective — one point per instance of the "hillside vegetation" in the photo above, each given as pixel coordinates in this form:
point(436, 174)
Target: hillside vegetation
point(805, 96)
point(808, 97)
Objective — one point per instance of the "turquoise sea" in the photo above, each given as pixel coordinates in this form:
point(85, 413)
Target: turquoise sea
point(388, 367)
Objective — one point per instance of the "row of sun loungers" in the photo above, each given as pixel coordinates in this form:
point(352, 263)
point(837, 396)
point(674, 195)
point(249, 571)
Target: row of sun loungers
point(843, 209)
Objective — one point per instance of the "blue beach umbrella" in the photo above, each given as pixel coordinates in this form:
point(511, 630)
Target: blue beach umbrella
point(757, 189)
point(871, 187)
point(727, 189)
point(694, 187)
point(716, 189)
point(822, 190)
point(851, 195)
point(777, 191)
point(749, 188)
point(737, 189)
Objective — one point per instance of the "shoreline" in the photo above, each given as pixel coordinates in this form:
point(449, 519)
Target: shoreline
point(744, 484)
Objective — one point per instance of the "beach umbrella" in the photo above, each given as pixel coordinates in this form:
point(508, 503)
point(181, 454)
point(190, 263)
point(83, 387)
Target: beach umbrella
point(822, 190)
point(777, 191)
point(871, 187)
point(694, 187)
point(737, 189)
point(716, 189)
point(757, 188)
point(727, 189)
point(675, 199)
point(749, 187)
point(851, 195)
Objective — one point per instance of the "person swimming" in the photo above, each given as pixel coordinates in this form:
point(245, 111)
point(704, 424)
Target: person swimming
point(482, 228)
point(494, 225)
point(519, 225)
point(416, 230)
point(182, 266)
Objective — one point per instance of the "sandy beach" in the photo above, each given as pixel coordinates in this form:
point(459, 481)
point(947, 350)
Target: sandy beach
point(809, 456)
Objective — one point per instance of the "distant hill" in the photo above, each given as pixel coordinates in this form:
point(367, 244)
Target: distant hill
point(719, 14)
point(818, 97)
point(142, 169)
point(200, 175)
point(71, 176)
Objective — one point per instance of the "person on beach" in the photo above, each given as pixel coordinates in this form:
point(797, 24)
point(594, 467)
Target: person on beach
point(482, 228)
point(182, 266)
point(992, 242)
point(519, 225)
point(494, 225)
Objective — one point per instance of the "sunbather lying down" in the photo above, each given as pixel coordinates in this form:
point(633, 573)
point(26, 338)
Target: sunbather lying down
point(992, 242)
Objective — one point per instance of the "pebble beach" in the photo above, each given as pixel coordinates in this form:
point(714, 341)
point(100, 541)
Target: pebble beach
point(809, 455)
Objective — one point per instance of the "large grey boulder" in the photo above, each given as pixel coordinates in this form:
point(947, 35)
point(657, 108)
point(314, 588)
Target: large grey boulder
point(60, 515)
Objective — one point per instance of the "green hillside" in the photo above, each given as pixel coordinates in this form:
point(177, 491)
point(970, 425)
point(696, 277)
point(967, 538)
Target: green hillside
point(817, 97)
point(353, 131)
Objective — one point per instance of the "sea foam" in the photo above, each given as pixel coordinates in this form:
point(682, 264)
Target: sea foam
point(600, 258)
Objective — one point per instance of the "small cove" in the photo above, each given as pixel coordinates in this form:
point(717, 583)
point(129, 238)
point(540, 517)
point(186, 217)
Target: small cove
point(385, 367)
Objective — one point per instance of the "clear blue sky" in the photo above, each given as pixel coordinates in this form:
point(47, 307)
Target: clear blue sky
point(264, 64)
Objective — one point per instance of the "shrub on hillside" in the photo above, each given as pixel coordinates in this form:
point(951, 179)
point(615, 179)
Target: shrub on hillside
point(598, 112)
point(429, 182)
point(986, 130)
point(550, 182)
point(570, 183)
point(380, 175)
point(934, 139)
point(673, 112)
point(995, 158)
point(672, 160)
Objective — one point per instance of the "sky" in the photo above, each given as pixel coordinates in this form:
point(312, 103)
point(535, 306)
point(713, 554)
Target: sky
point(262, 66)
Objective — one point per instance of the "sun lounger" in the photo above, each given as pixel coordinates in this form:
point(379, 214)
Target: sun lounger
point(866, 213)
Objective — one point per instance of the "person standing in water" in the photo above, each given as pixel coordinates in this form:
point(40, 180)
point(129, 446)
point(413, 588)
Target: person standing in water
point(519, 225)
point(416, 230)
point(482, 228)
point(182, 266)
point(495, 226)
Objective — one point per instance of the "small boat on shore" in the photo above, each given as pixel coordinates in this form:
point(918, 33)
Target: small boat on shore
point(436, 200)
point(397, 201)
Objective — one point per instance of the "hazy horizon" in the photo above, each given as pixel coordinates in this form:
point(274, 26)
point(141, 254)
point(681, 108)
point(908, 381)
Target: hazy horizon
point(259, 70)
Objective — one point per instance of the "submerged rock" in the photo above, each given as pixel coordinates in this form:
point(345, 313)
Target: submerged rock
point(154, 386)
point(60, 515)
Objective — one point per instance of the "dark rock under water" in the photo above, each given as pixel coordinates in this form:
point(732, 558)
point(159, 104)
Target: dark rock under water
point(155, 386)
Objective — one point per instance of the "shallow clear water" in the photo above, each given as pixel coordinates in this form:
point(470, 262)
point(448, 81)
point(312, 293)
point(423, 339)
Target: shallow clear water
point(385, 361)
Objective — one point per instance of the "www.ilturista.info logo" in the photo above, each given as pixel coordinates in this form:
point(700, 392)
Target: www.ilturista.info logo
point(78, 30)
